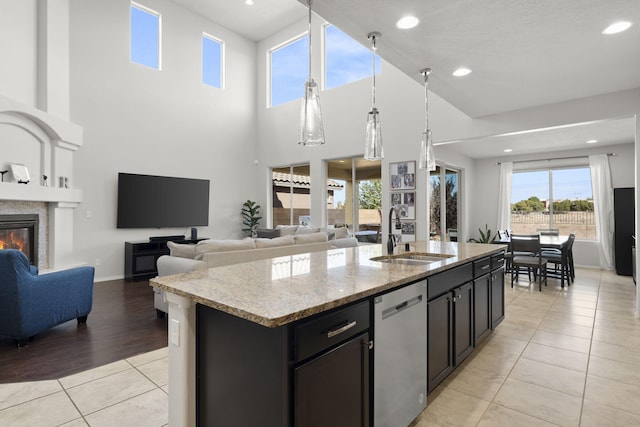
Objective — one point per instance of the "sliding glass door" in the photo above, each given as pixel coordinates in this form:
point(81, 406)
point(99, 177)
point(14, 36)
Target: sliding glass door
point(444, 204)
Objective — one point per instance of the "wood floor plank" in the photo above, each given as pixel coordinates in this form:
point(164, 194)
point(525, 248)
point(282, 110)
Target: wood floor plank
point(121, 324)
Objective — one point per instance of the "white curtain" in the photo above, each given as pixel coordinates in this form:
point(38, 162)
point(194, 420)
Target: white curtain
point(603, 207)
point(504, 196)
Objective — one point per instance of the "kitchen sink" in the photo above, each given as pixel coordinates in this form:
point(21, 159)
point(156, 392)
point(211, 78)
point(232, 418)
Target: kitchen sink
point(412, 258)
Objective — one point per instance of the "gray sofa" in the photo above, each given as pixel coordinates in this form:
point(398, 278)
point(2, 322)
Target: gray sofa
point(216, 253)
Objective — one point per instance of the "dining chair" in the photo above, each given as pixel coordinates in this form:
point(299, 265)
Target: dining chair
point(527, 254)
point(563, 260)
point(549, 231)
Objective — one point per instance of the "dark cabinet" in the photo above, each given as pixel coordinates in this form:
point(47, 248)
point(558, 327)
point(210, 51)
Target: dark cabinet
point(140, 258)
point(333, 388)
point(439, 332)
point(312, 373)
point(462, 322)
point(449, 322)
point(497, 296)
point(624, 229)
point(482, 307)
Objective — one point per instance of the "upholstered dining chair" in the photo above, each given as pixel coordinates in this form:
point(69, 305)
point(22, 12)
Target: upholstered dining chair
point(31, 303)
point(563, 259)
point(527, 254)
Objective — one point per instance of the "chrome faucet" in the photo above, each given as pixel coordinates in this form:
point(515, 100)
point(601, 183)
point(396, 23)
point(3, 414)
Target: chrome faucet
point(391, 240)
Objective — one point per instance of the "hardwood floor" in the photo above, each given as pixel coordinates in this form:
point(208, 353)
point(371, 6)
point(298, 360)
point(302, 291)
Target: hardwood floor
point(121, 324)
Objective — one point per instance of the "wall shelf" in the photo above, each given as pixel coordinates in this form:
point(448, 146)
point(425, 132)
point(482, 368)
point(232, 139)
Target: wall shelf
point(37, 193)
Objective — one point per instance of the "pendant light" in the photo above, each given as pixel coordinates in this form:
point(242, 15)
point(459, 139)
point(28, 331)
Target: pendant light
point(427, 159)
point(373, 144)
point(311, 128)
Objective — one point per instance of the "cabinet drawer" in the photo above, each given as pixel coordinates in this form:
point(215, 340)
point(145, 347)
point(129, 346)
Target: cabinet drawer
point(447, 280)
point(497, 260)
point(481, 266)
point(327, 330)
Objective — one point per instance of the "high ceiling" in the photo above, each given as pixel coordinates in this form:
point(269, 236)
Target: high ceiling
point(523, 53)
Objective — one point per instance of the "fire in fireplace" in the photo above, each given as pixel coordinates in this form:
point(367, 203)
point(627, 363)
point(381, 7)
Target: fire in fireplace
point(18, 231)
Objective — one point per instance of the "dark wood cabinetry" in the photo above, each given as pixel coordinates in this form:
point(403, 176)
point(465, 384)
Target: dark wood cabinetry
point(312, 373)
point(497, 296)
point(482, 307)
point(140, 257)
point(449, 322)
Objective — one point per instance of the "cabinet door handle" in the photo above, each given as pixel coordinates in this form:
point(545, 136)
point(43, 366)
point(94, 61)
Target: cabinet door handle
point(484, 267)
point(332, 333)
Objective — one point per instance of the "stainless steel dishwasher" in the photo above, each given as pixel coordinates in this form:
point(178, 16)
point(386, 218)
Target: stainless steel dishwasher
point(400, 355)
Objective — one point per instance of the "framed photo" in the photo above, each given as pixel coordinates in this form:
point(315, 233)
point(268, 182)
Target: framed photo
point(405, 203)
point(409, 231)
point(20, 173)
point(403, 175)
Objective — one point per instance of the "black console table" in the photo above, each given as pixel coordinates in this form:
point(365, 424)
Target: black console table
point(140, 257)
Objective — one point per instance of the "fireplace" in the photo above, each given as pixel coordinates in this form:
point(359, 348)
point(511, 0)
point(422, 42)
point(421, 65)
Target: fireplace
point(20, 231)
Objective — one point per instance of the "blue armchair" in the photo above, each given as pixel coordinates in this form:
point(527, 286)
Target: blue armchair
point(32, 303)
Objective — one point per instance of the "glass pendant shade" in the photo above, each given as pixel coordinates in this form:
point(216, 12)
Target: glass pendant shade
point(427, 158)
point(373, 146)
point(311, 128)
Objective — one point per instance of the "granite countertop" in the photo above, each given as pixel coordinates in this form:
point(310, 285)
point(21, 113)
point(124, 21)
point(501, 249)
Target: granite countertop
point(278, 291)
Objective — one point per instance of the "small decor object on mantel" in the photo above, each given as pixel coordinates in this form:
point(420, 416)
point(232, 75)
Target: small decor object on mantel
point(20, 173)
point(44, 181)
point(250, 217)
point(2, 174)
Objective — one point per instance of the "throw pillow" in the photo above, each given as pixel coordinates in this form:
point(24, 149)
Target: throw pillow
point(268, 233)
point(276, 241)
point(286, 230)
point(211, 245)
point(182, 251)
point(303, 229)
point(342, 232)
point(310, 238)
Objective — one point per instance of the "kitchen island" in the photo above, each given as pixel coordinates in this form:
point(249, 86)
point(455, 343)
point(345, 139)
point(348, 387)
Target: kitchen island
point(254, 319)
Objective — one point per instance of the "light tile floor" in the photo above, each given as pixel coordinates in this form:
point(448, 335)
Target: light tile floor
point(561, 357)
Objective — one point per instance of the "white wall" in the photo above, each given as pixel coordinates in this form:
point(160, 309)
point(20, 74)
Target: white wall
point(400, 101)
point(140, 120)
point(484, 189)
point(18, 43)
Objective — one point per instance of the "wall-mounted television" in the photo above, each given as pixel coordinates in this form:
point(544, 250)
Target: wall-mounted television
point(148, 201)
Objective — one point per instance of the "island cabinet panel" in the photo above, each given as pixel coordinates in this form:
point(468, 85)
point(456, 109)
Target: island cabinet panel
point(333, 388)
point(482, 308)
point(497, 296)
point(439, 345)
point(242, 372)
point(463, 322)
point(314, 372)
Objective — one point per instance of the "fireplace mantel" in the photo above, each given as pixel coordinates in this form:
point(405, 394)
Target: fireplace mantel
point(37, 193)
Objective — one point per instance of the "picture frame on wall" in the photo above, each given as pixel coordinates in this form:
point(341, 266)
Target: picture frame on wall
point(403, 175)
point(405, 203)
point(409, 231)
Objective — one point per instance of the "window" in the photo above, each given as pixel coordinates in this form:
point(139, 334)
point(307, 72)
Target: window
point(553, 198)
point(444, 216)
point(212, 54)
point(289, 71)
point(145, 36)
point(346, 60)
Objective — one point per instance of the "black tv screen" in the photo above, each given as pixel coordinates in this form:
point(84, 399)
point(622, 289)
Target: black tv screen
point(147, 201)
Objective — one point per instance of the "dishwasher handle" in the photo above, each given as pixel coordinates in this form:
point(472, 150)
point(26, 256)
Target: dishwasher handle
point(391, 311)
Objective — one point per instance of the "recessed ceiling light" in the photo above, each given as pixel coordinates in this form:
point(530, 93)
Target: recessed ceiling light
point(508, 150)
point(407, 22)
point(249, 2)
point(592, 141)
point(462, 71)
point(617, 27)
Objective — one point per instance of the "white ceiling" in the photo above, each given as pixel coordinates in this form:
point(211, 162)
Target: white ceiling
point(523, 53)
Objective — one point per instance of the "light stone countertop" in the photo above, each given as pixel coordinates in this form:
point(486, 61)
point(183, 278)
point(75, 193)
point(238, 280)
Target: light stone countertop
point(278, 291)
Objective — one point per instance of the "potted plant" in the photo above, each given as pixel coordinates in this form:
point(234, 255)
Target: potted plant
point(250, 217)
point(485, 236)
